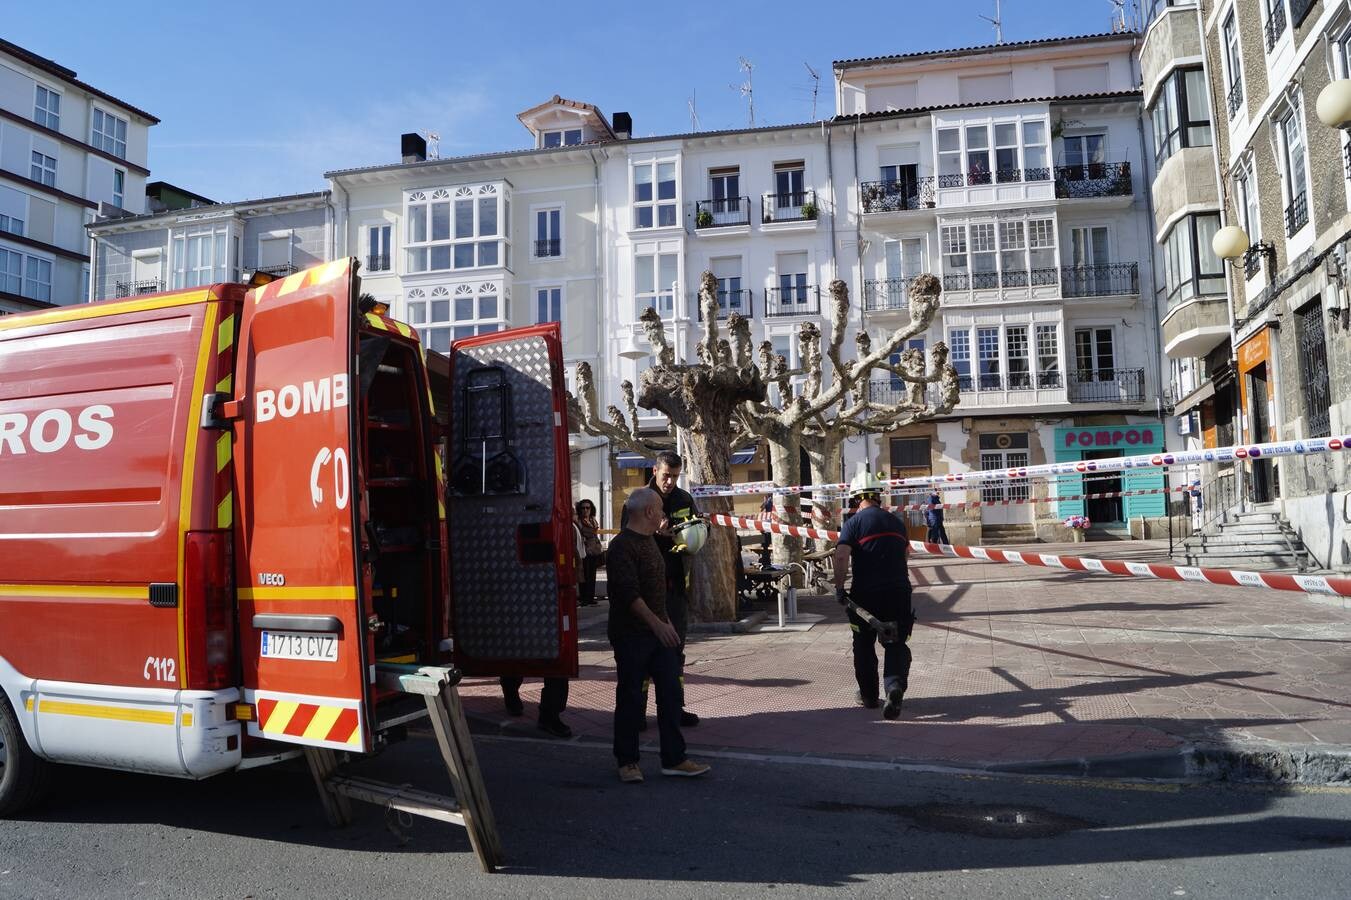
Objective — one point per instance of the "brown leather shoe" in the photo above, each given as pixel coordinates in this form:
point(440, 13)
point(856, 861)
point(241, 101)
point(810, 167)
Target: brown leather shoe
point(687, 769)
point(630, 774)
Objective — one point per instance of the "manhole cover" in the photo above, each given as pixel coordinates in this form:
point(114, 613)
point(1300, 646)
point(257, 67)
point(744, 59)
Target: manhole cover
point(980, 820)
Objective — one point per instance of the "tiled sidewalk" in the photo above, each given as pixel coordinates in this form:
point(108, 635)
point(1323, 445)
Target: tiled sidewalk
point(1014, 665)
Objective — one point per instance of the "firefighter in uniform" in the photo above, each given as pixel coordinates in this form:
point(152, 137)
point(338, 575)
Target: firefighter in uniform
point(873, 543)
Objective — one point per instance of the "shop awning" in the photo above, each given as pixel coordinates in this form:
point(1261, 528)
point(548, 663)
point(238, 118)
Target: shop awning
point(1195, 398)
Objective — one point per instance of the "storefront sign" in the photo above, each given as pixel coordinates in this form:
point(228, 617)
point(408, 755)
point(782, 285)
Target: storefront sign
point(1106, 437)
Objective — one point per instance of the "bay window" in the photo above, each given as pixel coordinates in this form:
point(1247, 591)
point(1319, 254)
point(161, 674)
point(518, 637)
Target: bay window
point(199, 257)
point(992, 152)
point(1191, 267)
point(444, 314)
point(464, 231)
point(654, 195)
point(1004, 357)
point(1006, 252)
point(655, 283)
point(1181, 114)
point(1048, 356)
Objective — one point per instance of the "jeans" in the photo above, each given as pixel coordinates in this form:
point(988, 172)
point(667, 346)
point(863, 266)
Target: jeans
point(889, 605)
point(552, 700)
point(938, 534)
point(640, 656)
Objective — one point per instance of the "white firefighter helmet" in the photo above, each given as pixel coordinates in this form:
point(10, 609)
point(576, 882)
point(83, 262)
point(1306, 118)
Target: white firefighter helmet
point(690, 535)
point(866, 484)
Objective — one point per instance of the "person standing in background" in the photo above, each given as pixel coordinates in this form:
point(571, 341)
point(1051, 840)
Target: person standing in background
point(595, 554)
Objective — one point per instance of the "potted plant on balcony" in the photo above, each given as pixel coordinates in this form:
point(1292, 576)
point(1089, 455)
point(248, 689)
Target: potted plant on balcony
point(809, 210)
point(703, 219)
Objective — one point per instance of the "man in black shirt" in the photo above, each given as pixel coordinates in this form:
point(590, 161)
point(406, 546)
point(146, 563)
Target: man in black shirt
point(644, 640)
point(873, 541)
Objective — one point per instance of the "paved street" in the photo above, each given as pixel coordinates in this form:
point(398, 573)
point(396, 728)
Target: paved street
point(1017, 666)
point(749, 829)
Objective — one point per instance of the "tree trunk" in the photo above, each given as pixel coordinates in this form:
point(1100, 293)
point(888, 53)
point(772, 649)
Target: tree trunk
point(712, 595)
point(826, 454)
point(785, 454)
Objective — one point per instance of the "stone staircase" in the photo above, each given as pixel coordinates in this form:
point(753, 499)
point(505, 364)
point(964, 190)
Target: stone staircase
point(1008, 534)
point(1258, 539)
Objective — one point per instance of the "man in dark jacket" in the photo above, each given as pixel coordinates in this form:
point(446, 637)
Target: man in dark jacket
point(644, 640)
point(933, 517)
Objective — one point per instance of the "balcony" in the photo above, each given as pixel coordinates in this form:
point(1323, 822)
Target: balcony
point(895, 392)
point(1117, 280)
point(278, 271)
point(1107, 386)
point(729, 302)
point(1235, 98)
point(804, 300)
point(799, 206)
point(549, 248)
point(1296, 214)
point(883, 294)
point(722, 212)
point(136, 288)
point(896, 196)
point(1252, 262)
point(377, 262)
point(1275, 26)
point(1096, 179)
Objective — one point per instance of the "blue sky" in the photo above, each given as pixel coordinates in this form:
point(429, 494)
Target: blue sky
point(259, 99)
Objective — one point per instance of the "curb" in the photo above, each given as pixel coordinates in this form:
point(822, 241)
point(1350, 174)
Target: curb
point(741, 626)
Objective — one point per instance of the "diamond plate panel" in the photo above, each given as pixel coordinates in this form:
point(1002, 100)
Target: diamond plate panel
point(505, 609)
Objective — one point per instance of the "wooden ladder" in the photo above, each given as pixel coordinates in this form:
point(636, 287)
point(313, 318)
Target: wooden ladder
point(468, 808)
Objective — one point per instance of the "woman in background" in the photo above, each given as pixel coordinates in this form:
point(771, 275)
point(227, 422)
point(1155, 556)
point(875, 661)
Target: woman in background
point(595, 554)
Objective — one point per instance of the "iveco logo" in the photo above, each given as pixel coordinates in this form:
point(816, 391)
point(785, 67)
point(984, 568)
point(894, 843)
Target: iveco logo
point(271, 579)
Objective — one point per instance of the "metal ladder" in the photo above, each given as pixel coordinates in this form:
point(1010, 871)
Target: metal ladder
point(468, 808)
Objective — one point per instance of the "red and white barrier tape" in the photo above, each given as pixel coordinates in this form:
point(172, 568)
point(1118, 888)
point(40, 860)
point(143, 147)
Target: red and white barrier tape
point(1304, 584)
point(1047, 470)
point(817, 512)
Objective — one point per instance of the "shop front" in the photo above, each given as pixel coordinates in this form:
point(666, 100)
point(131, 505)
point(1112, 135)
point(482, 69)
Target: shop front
point(1089, 443)
point(1257, 396)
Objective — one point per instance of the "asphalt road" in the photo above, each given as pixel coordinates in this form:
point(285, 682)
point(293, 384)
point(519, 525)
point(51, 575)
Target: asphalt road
point(754, 827)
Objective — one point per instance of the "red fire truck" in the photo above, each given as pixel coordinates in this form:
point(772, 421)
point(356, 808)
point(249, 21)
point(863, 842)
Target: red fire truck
point(222, 508)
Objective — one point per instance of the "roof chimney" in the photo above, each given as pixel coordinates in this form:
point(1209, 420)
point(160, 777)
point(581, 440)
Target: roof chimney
point(414, 148)
point(623, 126)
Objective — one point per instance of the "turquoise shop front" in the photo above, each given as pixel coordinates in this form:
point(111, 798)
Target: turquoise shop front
point(1091, 442)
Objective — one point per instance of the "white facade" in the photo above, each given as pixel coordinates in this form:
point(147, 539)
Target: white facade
point(65, 148)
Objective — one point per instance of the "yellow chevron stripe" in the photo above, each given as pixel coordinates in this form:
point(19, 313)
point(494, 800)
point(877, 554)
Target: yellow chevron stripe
point(225, 334)
point(187, 719)
point(222, 451)
point(355, 739)
point(376, 321)
point(403, 329)
point(330, 271)
point(98, 711)
point(323, 720)
point(292, 283)
point(225, 511)
point(280, 718)
point(223, 386)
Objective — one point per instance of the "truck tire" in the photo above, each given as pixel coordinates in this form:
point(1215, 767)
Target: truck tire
point(23, 777)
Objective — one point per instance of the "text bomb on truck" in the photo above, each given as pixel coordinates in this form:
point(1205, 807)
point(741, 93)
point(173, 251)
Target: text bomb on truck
point(223, 507)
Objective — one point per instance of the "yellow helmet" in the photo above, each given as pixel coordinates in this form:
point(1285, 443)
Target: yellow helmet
point(690, 535)
point(866, 484)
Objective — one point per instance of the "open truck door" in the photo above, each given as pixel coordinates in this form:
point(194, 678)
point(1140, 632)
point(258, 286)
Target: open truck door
point(298, 567)
point(513, 558)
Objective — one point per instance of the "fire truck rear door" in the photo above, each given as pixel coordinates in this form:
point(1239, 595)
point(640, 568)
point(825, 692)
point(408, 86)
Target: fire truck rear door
point(298, 564)
point(513, 581)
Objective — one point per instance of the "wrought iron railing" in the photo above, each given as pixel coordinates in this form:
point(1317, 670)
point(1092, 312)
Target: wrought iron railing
point(954, 180)
point(136, 288)
point(1346, 159)
point(729, 302)
point(1252, 261)
point(886, 293)
point(722, 212)
point(804, 300)
point(1048, 379)
point(548, 247)
point(1095, 179)
point(990, 381)
point(1275, 26)
point(279, 270)
point(956, 281)
point(1235, 97)
point(896, 196)
point(894, 391)
point(798, 206)
point(1296, 214)
point(1214, 501)
point(1107, 385)
point(1117, 279)
point(377, 262)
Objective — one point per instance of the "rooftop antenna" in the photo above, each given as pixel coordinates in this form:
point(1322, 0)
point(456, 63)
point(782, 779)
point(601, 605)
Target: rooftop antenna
point(747, 89)
point(997, 21)
point(1121, 22)
point(433, 145)
point(694, 113)
point(816, 86)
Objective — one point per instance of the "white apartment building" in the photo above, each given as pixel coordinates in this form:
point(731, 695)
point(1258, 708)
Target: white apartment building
point(66, 147)
point(1014, 173)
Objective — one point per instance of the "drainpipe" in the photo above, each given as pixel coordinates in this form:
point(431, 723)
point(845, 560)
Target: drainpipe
point(601, 318)
point(858, 287)
point(827, 131)
point(93, 268)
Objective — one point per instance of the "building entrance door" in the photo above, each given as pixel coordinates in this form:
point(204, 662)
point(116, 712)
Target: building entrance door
point(1107, 510)
point(1262, 491)
point(1004, 451)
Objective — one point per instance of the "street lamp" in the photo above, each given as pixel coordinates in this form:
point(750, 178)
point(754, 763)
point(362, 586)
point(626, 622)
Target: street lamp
point(1230, 242)
point(1334, 104)
point(631, 349)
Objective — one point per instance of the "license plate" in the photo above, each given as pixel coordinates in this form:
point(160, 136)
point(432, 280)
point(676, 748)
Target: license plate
point(300, 645)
